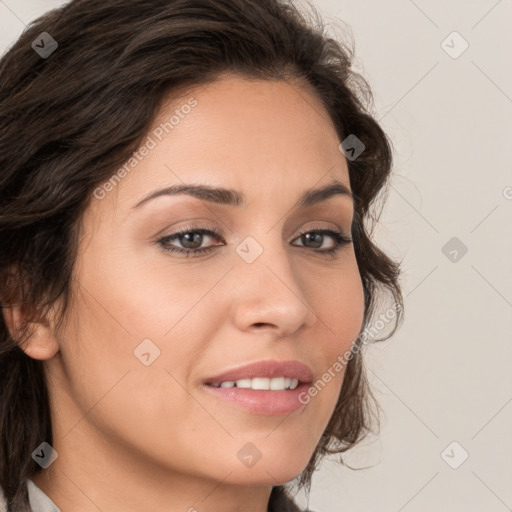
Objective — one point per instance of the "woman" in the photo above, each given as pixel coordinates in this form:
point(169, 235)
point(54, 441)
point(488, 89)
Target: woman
point(184, 257)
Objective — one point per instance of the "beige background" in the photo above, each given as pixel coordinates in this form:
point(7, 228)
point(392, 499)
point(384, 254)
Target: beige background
point(445, 376)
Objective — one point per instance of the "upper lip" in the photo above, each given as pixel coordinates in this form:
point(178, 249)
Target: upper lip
point(269, 369)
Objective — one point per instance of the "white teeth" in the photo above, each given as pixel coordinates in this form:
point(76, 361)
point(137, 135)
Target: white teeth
point(262, 383)
point(277, 384)
point(244, 383)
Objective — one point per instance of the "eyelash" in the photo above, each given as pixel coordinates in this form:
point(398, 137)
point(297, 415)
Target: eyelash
point(340, 239)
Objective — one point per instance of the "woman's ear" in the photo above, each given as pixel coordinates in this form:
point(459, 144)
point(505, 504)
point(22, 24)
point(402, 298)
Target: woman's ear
point(40, 341)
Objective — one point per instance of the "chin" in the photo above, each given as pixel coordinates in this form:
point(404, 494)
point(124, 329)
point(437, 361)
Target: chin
point(264, 476)
point(270, 469)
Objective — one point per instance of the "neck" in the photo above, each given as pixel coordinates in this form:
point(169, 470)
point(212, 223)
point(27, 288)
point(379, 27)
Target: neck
point(110, 478)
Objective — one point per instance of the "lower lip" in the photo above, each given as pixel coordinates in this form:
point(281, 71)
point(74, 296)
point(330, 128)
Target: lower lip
point(268, 403)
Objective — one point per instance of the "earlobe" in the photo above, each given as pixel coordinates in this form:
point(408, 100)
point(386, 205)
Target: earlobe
point(39, 342)
point(42, 343)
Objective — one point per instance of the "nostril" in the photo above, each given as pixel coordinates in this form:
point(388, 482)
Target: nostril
point(263, 324)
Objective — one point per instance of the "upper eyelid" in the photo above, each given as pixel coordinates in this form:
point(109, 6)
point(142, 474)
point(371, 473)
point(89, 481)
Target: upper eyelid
point(216, 232)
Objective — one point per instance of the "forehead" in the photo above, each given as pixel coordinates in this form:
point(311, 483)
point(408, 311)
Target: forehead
point(253, 135)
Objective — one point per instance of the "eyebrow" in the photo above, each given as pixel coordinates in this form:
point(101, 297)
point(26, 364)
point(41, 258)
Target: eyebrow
point(231, 197)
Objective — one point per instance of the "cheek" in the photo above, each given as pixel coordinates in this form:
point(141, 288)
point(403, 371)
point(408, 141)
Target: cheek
point(339, 303)
point(337, 296)
point(151, 294)
point(117, 394)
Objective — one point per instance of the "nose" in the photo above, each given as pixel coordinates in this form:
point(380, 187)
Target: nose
point(270, 294)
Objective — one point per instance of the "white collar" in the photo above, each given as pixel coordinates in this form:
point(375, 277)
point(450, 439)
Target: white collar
point(39, 501)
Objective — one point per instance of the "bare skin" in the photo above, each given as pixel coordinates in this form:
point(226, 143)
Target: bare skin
point(131, 437)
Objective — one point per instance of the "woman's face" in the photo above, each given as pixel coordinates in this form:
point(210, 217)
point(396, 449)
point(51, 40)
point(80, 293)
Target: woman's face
point(148, 327)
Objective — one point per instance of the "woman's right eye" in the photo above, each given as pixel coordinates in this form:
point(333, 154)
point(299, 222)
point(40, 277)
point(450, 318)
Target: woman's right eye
point(191, 239)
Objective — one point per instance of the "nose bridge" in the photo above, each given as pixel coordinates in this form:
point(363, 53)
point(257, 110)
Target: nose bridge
point(270, 290)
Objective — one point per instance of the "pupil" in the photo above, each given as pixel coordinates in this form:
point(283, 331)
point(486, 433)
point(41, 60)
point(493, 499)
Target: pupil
point(316, 238)
point(192, 240)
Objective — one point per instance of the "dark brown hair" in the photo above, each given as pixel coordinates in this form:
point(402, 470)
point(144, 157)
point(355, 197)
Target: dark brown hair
point(69, 120)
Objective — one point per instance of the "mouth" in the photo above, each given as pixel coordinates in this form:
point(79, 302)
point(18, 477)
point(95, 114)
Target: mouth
point(266, 387)
point(260, 383)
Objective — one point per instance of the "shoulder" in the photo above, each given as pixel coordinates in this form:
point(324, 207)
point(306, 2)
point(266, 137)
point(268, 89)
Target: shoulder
point(40, 502)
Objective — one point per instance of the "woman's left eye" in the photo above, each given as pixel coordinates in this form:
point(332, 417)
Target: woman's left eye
point(191, 240)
